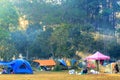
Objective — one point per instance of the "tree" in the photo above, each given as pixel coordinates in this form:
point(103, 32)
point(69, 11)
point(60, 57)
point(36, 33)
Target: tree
point(8, 22)
point(66, 27)
point(8, 15)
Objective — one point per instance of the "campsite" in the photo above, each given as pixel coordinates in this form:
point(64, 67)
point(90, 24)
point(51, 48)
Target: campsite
point(59, 39)
point(43, 70)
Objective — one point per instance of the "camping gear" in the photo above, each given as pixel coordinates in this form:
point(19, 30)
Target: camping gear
point(82, 64)
point(68, 63)
point(46, 64)
point(62, 62)
point(73, 62)
point(72, 71)
point(21, 66)
point(91, 64)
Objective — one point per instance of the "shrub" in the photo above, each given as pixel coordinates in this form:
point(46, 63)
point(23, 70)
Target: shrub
point(59, 67)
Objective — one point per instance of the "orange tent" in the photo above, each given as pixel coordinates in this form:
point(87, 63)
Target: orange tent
point(45, 62)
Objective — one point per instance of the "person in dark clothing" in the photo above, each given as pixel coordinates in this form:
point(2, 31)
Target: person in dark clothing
point(116, 68)
point(11, 71)
point(85, 71)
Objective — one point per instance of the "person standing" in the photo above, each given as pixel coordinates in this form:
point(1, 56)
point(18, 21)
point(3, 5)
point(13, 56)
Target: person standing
point(116, 68)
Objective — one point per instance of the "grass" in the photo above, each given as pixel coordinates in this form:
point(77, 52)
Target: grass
point(59, 76)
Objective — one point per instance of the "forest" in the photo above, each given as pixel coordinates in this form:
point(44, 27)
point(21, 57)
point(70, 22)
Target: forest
point(59, 28)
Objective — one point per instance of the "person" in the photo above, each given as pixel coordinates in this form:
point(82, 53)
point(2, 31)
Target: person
point(4, 71)
point(116, 68)
point(11, 71)
point(84, 71)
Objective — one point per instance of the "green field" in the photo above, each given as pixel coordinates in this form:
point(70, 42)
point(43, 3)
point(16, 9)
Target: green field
point(59, 76)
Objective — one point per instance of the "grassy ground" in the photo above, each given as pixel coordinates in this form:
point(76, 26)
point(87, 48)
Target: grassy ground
point(59, 76)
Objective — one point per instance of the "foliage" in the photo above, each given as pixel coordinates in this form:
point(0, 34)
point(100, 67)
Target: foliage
point(114, 51)
point(58, 29)
point(8, 22)
point(7, 50)
point(58, 68)
point(8, 15)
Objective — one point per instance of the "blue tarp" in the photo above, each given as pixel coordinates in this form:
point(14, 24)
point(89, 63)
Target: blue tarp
point(4, 63)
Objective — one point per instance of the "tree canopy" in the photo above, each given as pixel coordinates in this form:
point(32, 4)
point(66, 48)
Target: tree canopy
point(58, 28)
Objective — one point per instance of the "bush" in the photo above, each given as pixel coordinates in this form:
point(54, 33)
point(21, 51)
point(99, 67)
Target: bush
point(74, 67)
point(59, 67)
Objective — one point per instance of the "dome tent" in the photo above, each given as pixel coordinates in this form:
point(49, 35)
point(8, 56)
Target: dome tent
point(21, 66)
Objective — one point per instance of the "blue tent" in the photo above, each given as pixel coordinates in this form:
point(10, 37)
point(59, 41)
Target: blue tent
point(62, 62)
point(73, 61)
point(19, 66)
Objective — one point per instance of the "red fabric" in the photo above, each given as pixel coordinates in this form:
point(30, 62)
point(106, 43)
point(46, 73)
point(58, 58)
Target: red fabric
point(90, 65)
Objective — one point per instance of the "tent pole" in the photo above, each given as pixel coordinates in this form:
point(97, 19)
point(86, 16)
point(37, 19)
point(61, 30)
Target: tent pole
point(97, 62)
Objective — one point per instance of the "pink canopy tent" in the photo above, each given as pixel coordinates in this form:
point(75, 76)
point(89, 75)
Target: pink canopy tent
point(97, 56)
